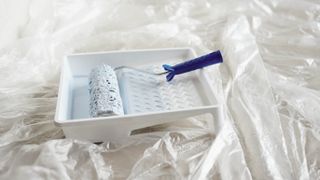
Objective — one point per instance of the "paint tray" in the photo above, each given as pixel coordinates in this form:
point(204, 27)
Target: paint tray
point(148, 100)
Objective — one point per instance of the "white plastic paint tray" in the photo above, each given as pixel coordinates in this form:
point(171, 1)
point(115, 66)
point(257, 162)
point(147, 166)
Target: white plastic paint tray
point(187, 95)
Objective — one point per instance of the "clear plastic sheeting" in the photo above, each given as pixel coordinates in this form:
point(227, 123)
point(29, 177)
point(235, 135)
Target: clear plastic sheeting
point(269, 86)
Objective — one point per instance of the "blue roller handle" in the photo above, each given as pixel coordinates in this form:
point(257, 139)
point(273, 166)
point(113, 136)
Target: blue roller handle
point(191, 65)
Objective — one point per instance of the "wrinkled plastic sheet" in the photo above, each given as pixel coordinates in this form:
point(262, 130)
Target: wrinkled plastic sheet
point(269, 86)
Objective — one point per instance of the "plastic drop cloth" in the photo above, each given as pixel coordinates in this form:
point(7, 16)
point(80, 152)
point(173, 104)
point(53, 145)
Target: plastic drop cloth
point(269, 86)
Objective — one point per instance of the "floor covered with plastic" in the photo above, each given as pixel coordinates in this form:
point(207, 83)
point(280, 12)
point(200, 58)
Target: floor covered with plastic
point(269, 86)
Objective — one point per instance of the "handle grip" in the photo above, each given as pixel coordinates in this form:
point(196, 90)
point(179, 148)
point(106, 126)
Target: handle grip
point(191, 65)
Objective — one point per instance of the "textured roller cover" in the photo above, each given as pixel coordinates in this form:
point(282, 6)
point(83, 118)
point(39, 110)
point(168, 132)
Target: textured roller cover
point(104, 92)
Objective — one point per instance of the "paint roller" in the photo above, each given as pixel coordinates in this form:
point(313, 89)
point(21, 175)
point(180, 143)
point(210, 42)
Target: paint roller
point(105, 99)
